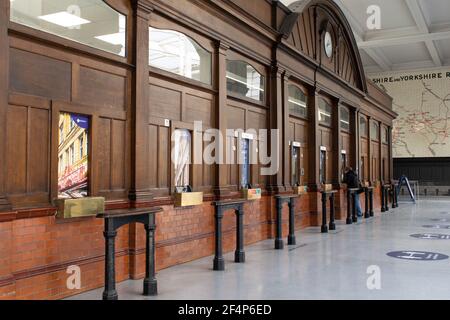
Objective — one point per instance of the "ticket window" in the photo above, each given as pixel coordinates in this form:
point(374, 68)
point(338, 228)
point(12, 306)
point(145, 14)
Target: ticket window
point(343, 165)
point(323, 166)
point(182, 160)
point(73, 156)
point(244, 161)
point(296, 166)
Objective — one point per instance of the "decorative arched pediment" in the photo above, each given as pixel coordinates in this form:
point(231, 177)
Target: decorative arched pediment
point(305, 30)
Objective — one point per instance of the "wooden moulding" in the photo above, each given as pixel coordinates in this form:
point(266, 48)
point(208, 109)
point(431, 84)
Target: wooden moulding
point(300, 189)
point(78, 208)
point(188, 199)
point(251, 194)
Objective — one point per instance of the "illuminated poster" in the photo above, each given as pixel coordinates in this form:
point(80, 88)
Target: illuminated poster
point(73, 156)
point(245, 161)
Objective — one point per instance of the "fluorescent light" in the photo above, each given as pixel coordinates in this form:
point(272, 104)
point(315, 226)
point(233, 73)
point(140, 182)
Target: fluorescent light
point(64, 19)
point(114, 38)
point(297, 102)
point(250, 86)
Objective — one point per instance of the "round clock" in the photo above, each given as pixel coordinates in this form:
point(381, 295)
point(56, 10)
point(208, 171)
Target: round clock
point(328, 44)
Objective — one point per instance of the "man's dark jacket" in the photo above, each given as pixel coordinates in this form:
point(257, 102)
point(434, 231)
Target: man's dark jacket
point(351, 178)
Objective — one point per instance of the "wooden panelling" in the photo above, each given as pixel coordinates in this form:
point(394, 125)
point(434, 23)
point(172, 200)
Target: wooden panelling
point(103, 152)
point(38, 75)
point(306, 36)
point(38, 150)
point(428, 171)
point(165, 103)
point(98, 88)
point(16, 150)
point(198, 109)
point(111, 157)
point(27, 163)
point(236, 117)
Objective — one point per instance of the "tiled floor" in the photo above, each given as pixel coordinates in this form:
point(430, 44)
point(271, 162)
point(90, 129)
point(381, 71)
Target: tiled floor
point(322, 266)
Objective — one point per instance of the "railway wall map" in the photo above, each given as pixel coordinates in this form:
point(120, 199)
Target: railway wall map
point(422, 100)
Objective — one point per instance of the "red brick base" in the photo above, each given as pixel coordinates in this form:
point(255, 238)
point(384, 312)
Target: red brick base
point(36, 252)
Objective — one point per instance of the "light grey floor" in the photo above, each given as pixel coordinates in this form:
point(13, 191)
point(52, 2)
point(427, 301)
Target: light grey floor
point(321, 266)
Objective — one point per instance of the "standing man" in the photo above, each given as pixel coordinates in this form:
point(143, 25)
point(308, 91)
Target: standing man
point(352, 181)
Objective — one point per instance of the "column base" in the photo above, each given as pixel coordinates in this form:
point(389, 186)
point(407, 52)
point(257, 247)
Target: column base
point(239, 256)
point(219, 264)
point(355, 219)
point(112, 295)
point(324, 229)
point(349, 221)
point(332, 226)
point(291, 240)
point(150, 287)
point(372, 214)
point(279, 244)
point(367, 215)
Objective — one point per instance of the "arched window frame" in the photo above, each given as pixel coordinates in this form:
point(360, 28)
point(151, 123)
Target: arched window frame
point(260, 69)
point(195, 39)
point(122, 9)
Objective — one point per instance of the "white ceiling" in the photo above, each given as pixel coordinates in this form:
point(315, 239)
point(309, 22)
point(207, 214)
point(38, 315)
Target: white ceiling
point(414, 34)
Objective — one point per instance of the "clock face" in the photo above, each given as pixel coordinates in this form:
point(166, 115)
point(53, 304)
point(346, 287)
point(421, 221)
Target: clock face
point(328, 45)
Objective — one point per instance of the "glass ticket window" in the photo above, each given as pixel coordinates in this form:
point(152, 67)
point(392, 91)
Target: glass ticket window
point(343, 165)
point(89, 22)
point(73, 156)
point(244, 161)
point(182, 159)
point(323, 166)
point(296, 165)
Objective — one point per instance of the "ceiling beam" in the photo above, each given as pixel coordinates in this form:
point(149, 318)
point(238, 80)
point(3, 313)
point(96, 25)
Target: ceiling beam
point(407, 39)
point(358, 31)
point(418, 16)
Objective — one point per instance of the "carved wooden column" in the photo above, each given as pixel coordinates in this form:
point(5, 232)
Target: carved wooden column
point(356, 141)
point(276, 123)
point(337, 147)
point(380, 149)
point(140, 182)
point(369, 150)
point(286, 147)
point(391, 157)
point(4, 87)
point(314, 142)
point(221, 187)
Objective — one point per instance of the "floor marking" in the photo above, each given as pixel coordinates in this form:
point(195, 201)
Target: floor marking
point(417, 255)
point(437, 226)
point(431, 236)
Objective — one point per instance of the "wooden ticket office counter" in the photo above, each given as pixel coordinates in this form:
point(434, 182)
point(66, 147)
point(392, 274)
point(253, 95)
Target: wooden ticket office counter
point(139, 81)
